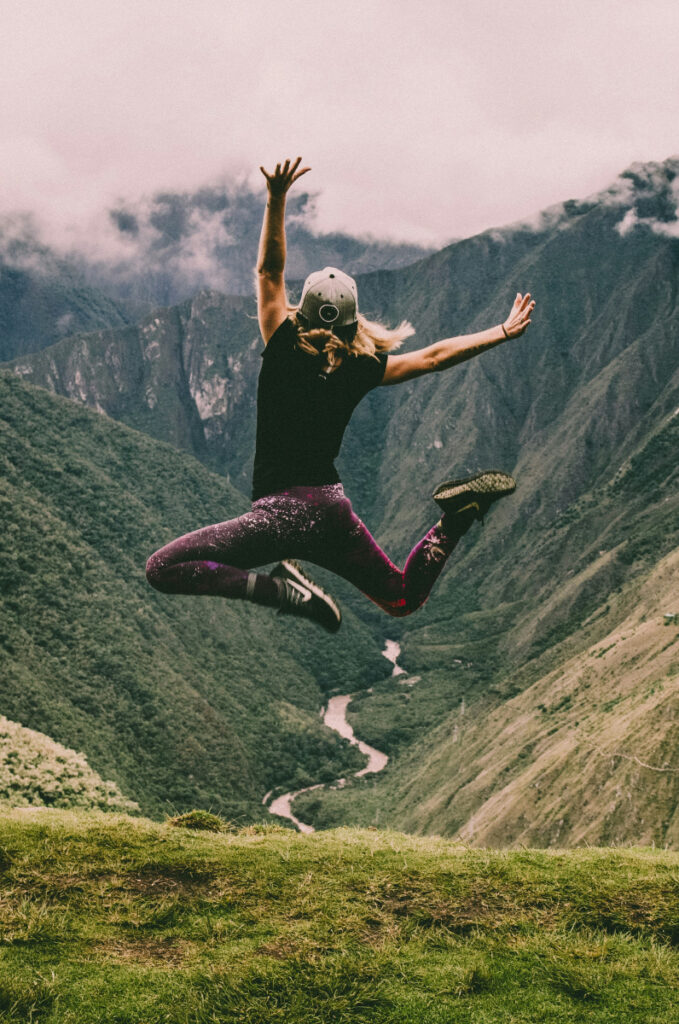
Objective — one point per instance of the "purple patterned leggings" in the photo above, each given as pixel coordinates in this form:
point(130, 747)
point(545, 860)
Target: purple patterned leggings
point(316, 524)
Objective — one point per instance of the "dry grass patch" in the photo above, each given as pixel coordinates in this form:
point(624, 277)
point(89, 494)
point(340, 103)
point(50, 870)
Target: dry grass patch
point(281, 949)
point(165, 952)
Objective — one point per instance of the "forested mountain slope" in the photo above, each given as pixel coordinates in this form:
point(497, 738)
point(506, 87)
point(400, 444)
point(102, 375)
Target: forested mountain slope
point(186, 375)
point(180, 701)
point(38, 306)
point(587, 752)
point(37, 772)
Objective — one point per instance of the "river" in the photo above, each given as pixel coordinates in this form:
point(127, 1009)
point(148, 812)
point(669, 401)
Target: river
point(335, 717)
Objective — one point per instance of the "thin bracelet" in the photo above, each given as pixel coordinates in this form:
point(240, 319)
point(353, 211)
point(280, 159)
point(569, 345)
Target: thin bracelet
point(504, 329)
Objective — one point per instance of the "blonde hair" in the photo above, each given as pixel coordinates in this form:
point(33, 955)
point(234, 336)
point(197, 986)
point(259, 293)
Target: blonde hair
point(371, 337)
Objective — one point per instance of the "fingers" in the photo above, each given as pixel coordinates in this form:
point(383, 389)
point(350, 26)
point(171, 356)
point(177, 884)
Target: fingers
point(520, 315)
point(523, 302)
point(300, 173)
point(273, 175)
point(285, 174)
point(286, 171)
point(290, 173)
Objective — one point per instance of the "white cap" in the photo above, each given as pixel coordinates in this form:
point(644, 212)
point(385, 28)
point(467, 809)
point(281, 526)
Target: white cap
point(329, 299)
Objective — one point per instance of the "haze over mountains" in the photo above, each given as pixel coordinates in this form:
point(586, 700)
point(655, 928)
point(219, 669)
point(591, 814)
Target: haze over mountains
point(156, 251)
point(584, 411)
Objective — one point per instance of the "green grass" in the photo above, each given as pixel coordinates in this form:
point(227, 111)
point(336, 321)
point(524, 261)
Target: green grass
point(113, 919)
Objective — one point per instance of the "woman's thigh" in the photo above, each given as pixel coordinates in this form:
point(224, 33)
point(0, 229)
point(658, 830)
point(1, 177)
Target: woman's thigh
point(326, 533)
point(244, 542)
point(350, 551)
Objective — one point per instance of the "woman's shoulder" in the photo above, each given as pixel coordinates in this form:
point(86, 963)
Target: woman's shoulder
point(283, 338)
point(368, 370)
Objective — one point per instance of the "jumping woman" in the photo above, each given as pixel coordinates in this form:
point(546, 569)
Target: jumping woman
point(320, 359)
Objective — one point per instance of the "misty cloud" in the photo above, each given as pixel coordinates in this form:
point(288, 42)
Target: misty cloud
point(125, 222)
point(433, 123)
point(160, 249)
point(652, 198)
point(22, 246)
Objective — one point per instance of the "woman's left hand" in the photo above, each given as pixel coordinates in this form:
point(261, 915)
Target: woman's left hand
point(280, 180)
point(519, 317)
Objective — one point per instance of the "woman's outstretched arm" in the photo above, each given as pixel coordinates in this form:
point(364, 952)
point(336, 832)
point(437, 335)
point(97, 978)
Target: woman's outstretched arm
point(272, 304)
point(451, 351)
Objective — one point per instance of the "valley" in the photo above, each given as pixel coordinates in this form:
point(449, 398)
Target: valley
point(335, 718)
point(582, 411)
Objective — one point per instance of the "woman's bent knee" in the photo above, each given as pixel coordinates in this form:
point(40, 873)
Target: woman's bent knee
point(400, 613)
point(397, 609)
point(401, 609)
point(153, 570)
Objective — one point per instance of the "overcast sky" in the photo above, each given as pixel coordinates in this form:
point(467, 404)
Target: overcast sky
point(424, 120)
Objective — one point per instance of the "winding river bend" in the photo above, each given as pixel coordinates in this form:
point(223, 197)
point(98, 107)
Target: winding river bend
point(335, 717)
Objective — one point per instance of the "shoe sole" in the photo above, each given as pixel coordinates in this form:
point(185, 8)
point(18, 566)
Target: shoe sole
point(491, 483)
point(294, 571)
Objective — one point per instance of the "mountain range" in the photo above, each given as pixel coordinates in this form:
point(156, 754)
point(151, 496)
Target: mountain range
point(583, 411)
point(157, 251)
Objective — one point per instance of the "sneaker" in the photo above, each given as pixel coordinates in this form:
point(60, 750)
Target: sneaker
point(301, 596)
point(474, 494)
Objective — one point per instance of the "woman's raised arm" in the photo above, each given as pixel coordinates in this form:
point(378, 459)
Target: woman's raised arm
point(450, 351)
point(272, 303)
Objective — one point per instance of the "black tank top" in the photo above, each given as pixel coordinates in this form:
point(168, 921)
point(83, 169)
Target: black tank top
point(302, 413)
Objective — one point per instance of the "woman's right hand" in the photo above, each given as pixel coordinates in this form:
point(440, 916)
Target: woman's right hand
point(282, 178)
point(519, 316)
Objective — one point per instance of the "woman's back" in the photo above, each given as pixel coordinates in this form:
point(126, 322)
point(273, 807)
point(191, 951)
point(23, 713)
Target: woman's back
point(303, 411)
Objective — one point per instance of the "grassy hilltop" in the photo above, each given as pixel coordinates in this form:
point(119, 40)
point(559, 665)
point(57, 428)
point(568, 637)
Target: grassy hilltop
point(116, 920)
